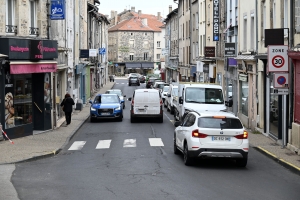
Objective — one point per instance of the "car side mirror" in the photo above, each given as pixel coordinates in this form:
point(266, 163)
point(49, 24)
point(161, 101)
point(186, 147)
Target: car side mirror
point(91, 102)
point(229, 103)
point(130, 98)
point(177, 123)
point(124, 96)
point(180, 100)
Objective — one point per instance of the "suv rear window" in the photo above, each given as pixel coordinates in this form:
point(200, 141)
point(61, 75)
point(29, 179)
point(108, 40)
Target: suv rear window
point(224, 123)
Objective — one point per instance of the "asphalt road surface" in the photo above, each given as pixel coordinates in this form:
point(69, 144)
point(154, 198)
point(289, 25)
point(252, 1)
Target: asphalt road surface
point(119, 160)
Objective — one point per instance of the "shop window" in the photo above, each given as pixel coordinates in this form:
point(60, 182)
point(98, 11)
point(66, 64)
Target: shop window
point(244, 90)
point(18, 100)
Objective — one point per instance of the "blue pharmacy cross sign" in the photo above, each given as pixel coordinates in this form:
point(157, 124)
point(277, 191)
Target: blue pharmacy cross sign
point(57, 10)
point(116, 65)
point(102, 51)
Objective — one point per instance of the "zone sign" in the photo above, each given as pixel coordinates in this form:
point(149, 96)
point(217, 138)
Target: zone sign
point(281, 80)
point(278, 58)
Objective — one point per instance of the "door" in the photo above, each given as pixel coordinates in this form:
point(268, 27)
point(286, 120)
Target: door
point(83, 89)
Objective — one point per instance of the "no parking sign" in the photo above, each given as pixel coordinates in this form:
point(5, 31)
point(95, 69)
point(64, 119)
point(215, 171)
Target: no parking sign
point(281, 80)
point(278, 58)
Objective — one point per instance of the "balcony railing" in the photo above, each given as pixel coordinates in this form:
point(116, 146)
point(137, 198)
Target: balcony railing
point(138, 59)
point(33, 31)
point(11, 29)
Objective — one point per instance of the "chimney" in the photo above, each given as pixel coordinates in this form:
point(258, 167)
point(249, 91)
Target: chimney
point(170, 8)
point(139, 13)
point(158, 15)
point(116, 17)
point(132, 9)
point(112, 14)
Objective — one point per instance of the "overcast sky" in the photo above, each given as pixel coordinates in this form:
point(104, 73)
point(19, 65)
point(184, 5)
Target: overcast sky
point(146, 6)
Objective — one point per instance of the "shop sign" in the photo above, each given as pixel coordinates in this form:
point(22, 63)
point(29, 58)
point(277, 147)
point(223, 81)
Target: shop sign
point(216, 19)
point(243, 77)
point(24, 49)
point(230, 50)
point(209, 51)
point(84, 53)
point(93, 52)
point(28, 68)
point(57, 10)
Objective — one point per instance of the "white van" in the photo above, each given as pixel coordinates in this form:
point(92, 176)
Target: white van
point(172, 98)
point(146, 103)
point(199, 97)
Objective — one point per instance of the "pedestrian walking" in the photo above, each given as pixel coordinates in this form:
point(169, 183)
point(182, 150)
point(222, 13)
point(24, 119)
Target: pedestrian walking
point(67, 107)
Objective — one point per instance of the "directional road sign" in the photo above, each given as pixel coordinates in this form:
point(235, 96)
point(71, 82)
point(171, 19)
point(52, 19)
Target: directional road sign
point(281, 80)
point(102, 51)
point(278, 58)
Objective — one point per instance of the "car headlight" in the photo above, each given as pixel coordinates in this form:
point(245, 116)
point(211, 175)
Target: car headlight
point(93, 109)
point(118, 108)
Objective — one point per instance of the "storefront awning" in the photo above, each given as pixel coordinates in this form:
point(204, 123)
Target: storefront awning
point(27, 67)
point(148, 65)
point(133, 65)
point(245, 57)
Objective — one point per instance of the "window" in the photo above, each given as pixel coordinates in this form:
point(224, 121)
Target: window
point(146, 44)
point(183, 31)
point(264, 20)
point(158, 44)
point(252, 35)
point(204, 95)
point(225, 123)
point(244, 89)
point(158, 56)
point(274, 15)
point(245, 33)
point(286, 17)
point(18, 100)
point(131, 43)
point(10, 12)
point(131, 56)
point(145, 56)
point(32, 23)
point(197, 21)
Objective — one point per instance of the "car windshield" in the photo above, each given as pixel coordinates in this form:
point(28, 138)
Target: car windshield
point(106, 99)
point(115, 92)
point(204, 95)
point(133, 78)
point(166, 88)
point(222, 123)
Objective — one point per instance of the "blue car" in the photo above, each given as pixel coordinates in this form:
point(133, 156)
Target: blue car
point(106, 106)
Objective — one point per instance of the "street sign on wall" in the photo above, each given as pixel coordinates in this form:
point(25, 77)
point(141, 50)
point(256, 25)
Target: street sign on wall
point(281, 80)
point(216, 20)
point(230, 50)
point(278, 58)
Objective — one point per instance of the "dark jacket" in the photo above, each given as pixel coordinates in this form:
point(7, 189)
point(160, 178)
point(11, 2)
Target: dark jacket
point(68, 104)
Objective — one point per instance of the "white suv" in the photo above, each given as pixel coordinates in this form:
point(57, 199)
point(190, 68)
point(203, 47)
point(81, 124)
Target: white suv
point(211, 134)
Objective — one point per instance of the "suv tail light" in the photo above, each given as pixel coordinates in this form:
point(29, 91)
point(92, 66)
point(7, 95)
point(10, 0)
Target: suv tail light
point(195, 133)
point(161, 102)
point(242, 136)
point(132, 102)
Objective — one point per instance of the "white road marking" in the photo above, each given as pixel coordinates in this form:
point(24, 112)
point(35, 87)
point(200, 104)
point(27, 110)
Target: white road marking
point(123, 83)
point(78, 145)
point(103, 144)
point(156, 142)
point(129, 143)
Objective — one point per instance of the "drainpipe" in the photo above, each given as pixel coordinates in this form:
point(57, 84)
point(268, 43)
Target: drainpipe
point(256, 50)
point(292, 30)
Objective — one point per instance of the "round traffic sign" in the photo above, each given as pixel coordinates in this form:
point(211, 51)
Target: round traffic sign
point(281, 80)
point(278, 61)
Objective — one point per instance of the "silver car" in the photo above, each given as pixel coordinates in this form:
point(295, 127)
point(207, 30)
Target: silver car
point(119, 93)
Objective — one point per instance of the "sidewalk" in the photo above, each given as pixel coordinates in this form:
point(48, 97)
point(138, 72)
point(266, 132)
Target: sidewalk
point(50, 143)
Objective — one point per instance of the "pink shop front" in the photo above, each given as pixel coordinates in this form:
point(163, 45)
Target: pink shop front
point(26, 85)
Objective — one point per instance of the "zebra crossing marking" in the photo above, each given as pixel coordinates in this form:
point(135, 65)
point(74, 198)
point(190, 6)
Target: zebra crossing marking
point(129, 143)
point(156, 142)
point(103, 144)
point(78, 145)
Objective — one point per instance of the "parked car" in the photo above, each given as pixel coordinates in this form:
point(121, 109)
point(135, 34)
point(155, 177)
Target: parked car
point(150, 82)
point(172, 98)
point(133, 74)
point(106, 106)
point(133, 80)
point(158, 85)
point(142, 79)
point(211, 135)
point(164, 92)
point(118, 92)
point(146, 103)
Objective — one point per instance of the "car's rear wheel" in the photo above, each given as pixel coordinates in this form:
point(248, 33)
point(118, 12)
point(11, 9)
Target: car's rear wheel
point(123, 105)
point(176, 151)
point(242, 162)
point(187, 160)
point(129, 84)
point(161, 119)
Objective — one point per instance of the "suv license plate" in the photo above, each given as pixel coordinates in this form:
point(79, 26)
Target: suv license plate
point(220, 138)
point(105, 113)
